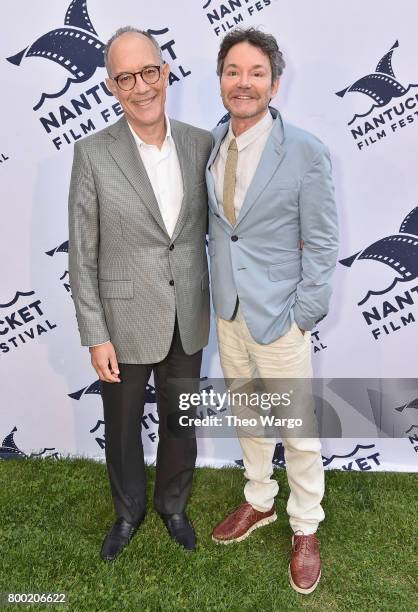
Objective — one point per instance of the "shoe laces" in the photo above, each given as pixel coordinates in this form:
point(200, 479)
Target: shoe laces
point(304, 543)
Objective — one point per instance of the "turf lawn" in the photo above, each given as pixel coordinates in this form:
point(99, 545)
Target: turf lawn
point(54, 515)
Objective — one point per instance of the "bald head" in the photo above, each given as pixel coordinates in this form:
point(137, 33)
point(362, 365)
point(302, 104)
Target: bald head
point(130, 42)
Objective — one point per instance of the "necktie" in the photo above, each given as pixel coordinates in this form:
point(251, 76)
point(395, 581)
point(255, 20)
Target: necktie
point(229, 181)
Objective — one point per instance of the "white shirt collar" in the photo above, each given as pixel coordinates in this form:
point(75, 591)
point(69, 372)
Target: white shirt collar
point(252, 133)
point(168, 137)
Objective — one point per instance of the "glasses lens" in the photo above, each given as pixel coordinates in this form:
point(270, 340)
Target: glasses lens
point(126, 81)
point(151, 75)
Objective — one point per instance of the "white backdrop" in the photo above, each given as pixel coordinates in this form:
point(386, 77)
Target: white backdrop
point(49, 399)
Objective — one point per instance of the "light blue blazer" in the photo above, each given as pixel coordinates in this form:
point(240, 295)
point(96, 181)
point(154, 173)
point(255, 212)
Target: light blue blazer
point(259, 260)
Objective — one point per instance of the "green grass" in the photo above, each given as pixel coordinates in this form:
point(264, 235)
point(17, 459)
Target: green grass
point(54, 515)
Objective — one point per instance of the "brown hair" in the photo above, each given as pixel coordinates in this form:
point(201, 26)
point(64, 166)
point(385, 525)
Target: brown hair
point(265, 42)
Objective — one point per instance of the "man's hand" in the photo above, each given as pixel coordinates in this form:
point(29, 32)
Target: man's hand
point(103, 360)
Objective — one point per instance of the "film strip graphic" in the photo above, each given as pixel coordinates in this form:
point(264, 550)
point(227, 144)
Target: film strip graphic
point(75, 47)
point(59, 47)
point(398, 251)
point(381, 85)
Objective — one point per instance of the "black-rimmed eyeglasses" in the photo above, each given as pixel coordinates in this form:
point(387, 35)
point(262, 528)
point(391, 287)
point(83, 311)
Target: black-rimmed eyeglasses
point(127, 80)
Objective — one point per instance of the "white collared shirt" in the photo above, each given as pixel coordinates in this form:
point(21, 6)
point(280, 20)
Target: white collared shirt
point(250, 145)
point(163, 169)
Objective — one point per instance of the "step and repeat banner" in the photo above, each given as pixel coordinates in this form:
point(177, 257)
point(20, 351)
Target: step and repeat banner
point(351, 78)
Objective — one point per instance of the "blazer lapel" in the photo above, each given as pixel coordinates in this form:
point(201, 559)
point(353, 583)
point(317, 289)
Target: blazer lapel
point(270, 160)
point(219, 135)
point(184, 147)
point(125, 153)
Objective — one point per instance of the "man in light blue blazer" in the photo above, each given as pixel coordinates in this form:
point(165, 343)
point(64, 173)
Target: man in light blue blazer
point(273, 250)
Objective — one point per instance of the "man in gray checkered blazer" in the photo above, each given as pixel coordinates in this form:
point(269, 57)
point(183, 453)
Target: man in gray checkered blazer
point(139, 278)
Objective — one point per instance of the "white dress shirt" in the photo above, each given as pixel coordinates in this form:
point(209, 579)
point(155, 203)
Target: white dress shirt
point(163, 169)
point(250, 145)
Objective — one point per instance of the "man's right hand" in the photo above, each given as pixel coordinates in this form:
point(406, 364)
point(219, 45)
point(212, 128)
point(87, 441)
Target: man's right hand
point(103, 360)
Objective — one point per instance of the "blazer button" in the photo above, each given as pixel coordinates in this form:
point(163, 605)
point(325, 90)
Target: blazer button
point(171, 283)
point(234, 238)
point(171, 247)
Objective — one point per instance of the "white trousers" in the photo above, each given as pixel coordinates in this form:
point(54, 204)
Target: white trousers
point(287, 357)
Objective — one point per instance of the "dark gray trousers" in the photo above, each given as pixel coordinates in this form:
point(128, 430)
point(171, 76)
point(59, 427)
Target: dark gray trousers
point(123, 405)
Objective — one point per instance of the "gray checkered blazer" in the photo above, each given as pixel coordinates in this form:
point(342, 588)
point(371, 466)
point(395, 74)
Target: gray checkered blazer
point(122, 262)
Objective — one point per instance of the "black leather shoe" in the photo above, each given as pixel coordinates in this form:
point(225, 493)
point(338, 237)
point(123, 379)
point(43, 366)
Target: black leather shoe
point(180, 529)
point(120, 534)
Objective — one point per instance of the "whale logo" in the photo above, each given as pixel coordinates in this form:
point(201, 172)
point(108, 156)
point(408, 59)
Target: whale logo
point(62, 248)
point(94, 389)
point(397, 422)
point(381, 85)
point(75, 47)
point(9, 449)
point(398, 251)
point(412, 404)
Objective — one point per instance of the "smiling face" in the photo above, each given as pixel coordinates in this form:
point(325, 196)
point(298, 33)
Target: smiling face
point(144, 104)
point(246, 86)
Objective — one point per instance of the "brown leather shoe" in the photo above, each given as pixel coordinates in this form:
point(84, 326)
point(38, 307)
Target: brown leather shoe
point(305, 564)
point(238, 525)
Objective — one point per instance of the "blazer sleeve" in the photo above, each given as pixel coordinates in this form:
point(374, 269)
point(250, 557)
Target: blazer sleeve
point(319, 231)
point(83, 251)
